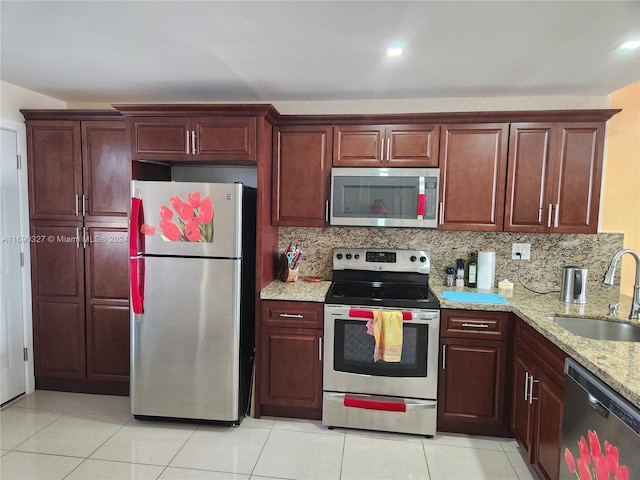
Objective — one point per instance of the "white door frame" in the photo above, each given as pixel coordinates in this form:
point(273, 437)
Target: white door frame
point(23, 187)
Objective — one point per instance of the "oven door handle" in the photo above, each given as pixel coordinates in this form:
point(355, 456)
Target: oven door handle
point(360, 313)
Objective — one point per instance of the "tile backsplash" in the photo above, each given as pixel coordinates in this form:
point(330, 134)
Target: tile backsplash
point(549, 252)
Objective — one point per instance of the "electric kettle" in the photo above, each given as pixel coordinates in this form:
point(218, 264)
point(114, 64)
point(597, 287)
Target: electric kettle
point(574, 284)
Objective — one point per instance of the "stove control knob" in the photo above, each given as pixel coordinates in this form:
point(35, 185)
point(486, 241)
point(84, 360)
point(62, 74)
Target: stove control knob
point(356, 256)
point(348, 256)
point(339, 256)
point(413, 258)
point(423, 259)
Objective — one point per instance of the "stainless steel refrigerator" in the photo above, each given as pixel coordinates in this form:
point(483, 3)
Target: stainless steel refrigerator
point(192, 268)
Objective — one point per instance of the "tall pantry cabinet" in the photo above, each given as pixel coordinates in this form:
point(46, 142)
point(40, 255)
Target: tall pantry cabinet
point(79, 172)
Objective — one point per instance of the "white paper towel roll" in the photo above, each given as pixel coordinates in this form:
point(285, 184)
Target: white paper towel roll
point(486, 270)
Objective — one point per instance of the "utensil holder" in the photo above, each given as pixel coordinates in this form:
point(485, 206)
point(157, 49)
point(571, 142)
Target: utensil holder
point(287, 274)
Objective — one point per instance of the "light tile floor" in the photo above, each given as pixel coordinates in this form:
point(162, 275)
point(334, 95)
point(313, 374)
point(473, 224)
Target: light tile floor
point(55, 435)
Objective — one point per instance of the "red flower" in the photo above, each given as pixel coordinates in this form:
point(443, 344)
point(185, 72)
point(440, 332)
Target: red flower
point(194, 199)
point(622, 473)
point(191, 230)
point(184, 209)
point(165, 213)
point(584, 452)
point(206, 211)
point(569, 460)
point(147, 229)
point(170, 230)
point(611, 454)
point(594, 443)
point(600, 464)
point(583, 470)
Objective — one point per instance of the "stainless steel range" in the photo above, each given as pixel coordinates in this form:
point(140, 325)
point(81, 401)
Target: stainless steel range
point(359, 392)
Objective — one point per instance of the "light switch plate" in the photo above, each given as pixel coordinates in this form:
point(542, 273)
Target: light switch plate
point(524, 249)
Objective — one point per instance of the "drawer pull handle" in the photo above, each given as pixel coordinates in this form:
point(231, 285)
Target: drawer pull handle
point(291, 315)
point(475, 325)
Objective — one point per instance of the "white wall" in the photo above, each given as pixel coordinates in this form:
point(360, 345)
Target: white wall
point(13, 98)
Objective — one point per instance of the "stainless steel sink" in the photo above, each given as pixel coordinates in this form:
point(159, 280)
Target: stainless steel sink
point(598, 328)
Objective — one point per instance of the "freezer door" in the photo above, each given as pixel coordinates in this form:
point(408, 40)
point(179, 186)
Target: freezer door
point(185, 346)
point(186, 219)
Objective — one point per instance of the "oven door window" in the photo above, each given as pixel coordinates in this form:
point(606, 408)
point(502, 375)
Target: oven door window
point(353, 351)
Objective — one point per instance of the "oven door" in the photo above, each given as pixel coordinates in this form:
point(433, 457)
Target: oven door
point(349, 366)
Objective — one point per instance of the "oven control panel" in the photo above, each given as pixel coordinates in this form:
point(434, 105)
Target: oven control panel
point(382, 260)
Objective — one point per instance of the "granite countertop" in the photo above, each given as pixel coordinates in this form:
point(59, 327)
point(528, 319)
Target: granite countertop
point(298, 291)
point(615, 363)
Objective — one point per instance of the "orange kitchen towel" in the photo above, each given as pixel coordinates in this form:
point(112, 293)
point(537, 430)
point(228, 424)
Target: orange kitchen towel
point(387, 331)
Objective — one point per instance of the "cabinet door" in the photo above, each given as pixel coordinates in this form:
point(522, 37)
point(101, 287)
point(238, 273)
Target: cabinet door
point(57, 279)
point(160, 138)
point(522, 414)
point(577, 177)
point(531, 151)
point(473, 168)
point(291, 367)
point(107, 300)
point(106, 170)
point(548, 427)
point(412, 145)
point(301, 176)
point(472, 387)
point(55, 169)
point(358, 145)
point(224, 138)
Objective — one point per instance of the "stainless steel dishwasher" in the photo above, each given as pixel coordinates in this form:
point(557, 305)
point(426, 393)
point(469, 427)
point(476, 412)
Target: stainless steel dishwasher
point(600, 430)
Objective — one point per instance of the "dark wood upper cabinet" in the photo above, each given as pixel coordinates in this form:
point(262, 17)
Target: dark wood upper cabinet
point(55, 169)
point(197, 139)
point(78, 169)
point(106, 170)
point(577, 177)
point(554, 177)
point(411, 145)
point(473, 167)
point(301, 175)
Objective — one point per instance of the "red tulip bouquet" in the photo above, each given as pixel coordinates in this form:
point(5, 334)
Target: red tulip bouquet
point(193, 222)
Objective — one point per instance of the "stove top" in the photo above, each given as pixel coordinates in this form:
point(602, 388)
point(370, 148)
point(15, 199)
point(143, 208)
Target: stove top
point(381, 277)
point(376, 294)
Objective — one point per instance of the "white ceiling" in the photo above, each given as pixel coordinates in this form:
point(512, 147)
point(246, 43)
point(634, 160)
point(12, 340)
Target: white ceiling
point(212, 51)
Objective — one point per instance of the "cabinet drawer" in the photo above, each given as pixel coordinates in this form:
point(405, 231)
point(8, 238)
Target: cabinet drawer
point(472, 324)
point(292, 314)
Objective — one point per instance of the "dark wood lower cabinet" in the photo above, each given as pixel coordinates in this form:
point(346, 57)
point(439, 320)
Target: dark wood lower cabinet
point(80, 307)
point(290, 360)
point(474, 384)
point(538, 400)
point(472, 387)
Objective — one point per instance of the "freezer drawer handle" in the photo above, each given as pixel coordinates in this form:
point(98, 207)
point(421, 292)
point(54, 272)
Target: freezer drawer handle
point(374, 404)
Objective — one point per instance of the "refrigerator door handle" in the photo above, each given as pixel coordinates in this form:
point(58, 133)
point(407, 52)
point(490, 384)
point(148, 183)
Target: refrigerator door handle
point(136, 241)
point(136, 270)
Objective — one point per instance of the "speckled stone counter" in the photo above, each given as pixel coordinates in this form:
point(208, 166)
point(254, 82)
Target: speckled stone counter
point(298, 291)
point(615, 363)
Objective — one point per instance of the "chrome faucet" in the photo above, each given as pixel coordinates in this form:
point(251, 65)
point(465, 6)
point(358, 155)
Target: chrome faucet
point(608, 279)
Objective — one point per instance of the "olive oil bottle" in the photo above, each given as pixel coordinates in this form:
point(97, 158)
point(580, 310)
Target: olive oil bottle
point(472, 271)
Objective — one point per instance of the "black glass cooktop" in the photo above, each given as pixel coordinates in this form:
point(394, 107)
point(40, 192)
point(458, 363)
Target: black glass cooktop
point(377, 294)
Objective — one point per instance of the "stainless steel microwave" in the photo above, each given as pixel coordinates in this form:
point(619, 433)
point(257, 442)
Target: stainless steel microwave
point(385, 197)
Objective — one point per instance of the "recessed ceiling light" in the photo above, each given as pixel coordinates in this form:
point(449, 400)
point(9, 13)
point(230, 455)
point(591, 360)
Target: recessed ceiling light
point(630, 45)
point(395, 49)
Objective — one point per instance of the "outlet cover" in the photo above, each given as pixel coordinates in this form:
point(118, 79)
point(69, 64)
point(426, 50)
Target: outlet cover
point(524, 249)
